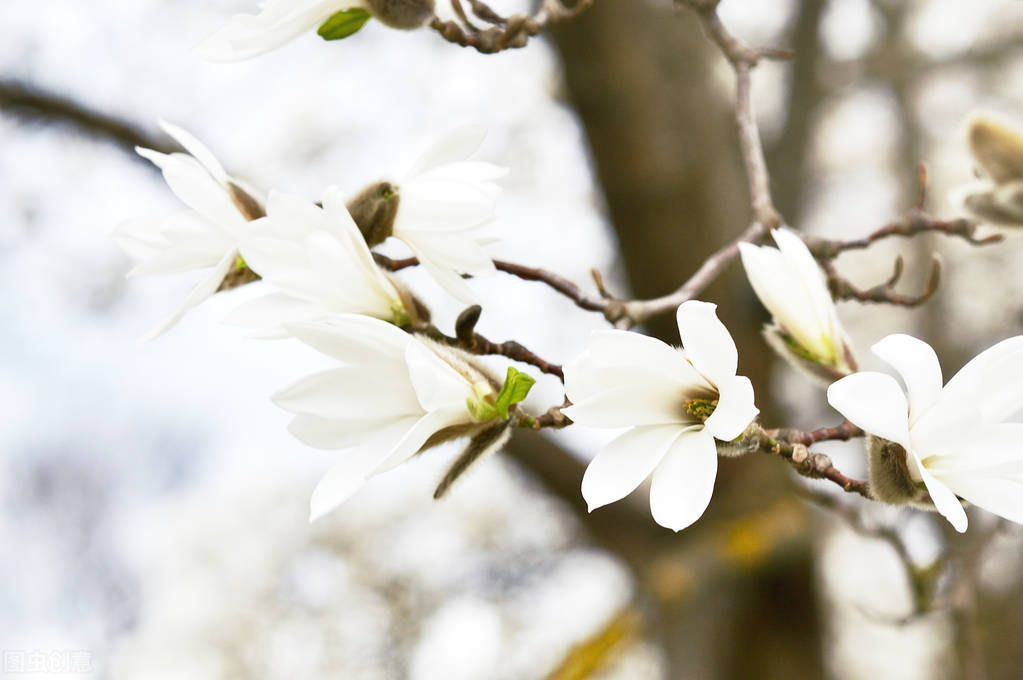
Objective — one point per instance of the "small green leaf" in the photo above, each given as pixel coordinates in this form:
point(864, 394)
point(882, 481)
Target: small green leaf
point(516, 387)
point(344, 23)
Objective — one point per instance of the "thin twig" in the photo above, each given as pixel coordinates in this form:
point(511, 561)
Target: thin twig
point(505, 32)
point(788, 445)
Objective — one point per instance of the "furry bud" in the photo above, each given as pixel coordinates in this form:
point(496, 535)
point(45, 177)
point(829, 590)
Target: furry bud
point(374, 209)
point(890, 478)
point(997, 148)
point(404, 14)
point(483, 442)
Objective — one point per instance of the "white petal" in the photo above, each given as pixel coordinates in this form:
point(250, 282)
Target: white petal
point(1003, 497)
point(706, 341)
point(272, 312)
point(457, 252)
point(873, 402)
point(360, 391)
point(197, 149)
point(279, 21)
point(684, 481)
point(197, 189)
point(207, 287)
point(735, 409)
point(457, 145)
point(945, 501)
point(333, 434)
point(633, 404)
point(354, 338)
point(918, 365)
point(988, 450)
point(356, 466)
point(449, 280)
point(625, 462)
point(436, 383)
point(977, 380)
point(805, 268)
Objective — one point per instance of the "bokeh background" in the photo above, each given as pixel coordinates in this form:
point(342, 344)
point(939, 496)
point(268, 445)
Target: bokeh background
point(154, 507)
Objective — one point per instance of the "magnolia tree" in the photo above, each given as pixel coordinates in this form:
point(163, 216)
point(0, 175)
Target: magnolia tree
point(403, 384)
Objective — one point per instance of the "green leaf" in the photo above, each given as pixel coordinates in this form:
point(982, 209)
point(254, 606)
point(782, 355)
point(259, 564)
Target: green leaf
point(344, 23)
point(516, 387)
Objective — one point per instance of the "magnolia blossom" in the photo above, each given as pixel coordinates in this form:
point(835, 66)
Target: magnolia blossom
point(806, 327)
point(206, 235)
point(676, 401)
point(318, 262)
point(997, 195)
point(280, 21)
point(957, 439)
point(392, 395)
point(443, 198)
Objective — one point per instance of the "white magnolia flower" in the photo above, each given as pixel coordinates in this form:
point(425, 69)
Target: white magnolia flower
point(957, 438)
point(280, 21)
point(206, 235)
point(435, 208)
point(997, 149)
point(678, 402)
point(391, 396)
point(320, 264)
point(806, 327)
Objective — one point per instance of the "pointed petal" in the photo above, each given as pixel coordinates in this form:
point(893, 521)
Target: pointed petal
point(945, 501)
point(625, 462)
point(638, 403)
point(918, 365)
point(207, 287)
point(197, 149)
point(706, 341)
point(684, 481)
point(808, 273)
point(735, 409)
point(247, 35)
point(457, 145)
point(366, 389)
point(273, 311)
point(873, 402)
point(436, 383)
point(333, 434)
point(1003, 497)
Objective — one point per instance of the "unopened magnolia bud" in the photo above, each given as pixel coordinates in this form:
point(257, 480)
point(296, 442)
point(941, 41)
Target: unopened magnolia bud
point(997, 148)
point(802, 360)
point(465, 325)
point(890, 479)
point(405, 14)
point(374, 209)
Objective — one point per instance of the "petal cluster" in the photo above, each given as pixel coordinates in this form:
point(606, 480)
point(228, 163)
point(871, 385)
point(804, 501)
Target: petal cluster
point(318, 262)
point(444, 198)
point(792, 287)
point(960, 439)
point(390, 395)
point(205, 235)
point(277, 22)
point(677, 402)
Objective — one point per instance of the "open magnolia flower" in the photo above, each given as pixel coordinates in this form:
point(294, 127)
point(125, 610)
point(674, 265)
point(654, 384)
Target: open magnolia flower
point(392, 396)
point(435, 208)
point(997, 195)
point(279, 21)
point(204, 236)
point(806, 330)
point(321, 266)
point(677, 402)
point(940, 441)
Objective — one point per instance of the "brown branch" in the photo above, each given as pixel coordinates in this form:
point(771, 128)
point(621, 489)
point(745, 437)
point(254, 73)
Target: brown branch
point(842, 289)
point(29, 103)
point(788, 445)
point(914, 222)
point(505, 32)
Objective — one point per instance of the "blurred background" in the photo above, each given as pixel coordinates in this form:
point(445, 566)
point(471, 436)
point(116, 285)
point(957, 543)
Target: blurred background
point(154, 506)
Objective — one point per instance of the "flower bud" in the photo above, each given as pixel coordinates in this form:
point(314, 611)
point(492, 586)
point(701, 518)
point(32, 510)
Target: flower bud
point(797, 357)
point(997, 149)
point(485, 441)
point(374, 209)
point(890, 478)
point(405, 14)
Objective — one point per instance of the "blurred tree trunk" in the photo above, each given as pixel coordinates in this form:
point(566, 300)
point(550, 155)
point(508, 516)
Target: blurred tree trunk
point(663, 142)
